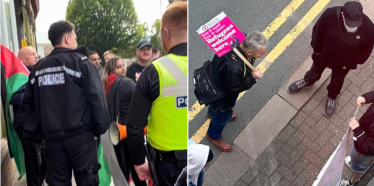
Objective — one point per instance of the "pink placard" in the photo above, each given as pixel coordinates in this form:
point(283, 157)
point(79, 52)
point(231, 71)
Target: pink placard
point(221, 34)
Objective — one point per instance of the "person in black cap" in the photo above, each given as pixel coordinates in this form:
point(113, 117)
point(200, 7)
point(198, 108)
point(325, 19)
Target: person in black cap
point(144, 54)
point(342, 38)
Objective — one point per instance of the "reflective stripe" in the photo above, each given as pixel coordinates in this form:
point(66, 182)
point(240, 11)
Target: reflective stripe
point(175, 90)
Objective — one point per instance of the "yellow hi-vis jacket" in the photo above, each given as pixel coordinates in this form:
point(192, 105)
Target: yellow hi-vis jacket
point(167, 122)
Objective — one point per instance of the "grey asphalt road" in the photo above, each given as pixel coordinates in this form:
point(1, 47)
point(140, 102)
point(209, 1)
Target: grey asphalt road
point(249, 15)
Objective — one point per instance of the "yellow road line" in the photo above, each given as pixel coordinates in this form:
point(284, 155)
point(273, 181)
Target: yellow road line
point(268, 32)
point(283, 16)
point(276, 52)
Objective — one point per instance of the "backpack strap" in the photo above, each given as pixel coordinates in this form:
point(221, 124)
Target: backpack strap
point(112, 99)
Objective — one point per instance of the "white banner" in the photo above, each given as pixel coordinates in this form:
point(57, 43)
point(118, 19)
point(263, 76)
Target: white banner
point(331, 173)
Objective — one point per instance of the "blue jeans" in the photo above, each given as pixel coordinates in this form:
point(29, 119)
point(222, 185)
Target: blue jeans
point(218, 122)
point(359, 162)
point(199, 181)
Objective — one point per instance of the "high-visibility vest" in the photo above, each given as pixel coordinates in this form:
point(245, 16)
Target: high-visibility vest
point(167, 122)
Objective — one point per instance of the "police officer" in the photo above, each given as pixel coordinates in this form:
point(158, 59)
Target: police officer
point(64, 102)
point(161, 94)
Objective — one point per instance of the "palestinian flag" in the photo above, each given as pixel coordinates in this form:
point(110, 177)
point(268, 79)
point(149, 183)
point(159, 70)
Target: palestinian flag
point(16, 75)
point(104, 173)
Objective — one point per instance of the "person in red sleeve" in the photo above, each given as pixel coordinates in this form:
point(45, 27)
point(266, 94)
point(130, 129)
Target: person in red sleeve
point(362, 152)
point(118, 90)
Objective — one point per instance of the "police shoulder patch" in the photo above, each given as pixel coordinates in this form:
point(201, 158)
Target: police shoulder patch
point(181, 101)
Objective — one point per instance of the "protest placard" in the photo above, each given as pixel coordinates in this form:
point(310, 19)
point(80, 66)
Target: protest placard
point(222, 36)
point(331, 173)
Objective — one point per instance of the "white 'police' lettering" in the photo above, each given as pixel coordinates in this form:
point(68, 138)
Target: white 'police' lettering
point(51, 79)
point(181, 101)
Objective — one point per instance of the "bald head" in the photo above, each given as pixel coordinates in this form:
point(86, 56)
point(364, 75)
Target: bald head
point(28, 56)
point(174, 25)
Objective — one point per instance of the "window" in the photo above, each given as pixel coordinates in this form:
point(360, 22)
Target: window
point(8, 31)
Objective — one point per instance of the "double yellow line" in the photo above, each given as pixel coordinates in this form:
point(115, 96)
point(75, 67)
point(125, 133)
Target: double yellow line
point(274, 54)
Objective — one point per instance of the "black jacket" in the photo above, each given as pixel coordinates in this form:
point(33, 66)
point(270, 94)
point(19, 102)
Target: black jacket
point(15, 100)
point(365, 143)
point(232, 76)
point(335, 52)
point(119, 99)
point(64, 97)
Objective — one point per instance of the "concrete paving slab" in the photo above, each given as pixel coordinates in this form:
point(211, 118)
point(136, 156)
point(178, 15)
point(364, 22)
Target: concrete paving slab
point(368, 8)
point(297, 100)
point(265, 126)
point(228, 168)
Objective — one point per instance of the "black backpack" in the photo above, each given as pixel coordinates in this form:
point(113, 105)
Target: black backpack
point(206, 90)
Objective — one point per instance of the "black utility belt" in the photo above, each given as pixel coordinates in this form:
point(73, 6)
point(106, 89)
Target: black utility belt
point(179, 157)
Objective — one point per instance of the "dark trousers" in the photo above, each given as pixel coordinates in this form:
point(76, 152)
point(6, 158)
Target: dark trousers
point(218, 122)
point(167, 173)
point(123, 156)
point(77, 153)
point(337, 77)
point(35, 162)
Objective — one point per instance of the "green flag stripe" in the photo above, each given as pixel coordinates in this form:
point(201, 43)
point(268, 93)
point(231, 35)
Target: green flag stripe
point(15, 144)
point(14, 82)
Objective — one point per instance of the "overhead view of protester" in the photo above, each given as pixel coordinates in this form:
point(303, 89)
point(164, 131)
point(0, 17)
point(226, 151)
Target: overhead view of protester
point(199, 157)
point(144, 55)
point(362, 152)
point(340, 47)
point(228, 73)
point(160, 100)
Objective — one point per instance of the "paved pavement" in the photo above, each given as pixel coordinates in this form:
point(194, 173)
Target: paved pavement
point(299, 151)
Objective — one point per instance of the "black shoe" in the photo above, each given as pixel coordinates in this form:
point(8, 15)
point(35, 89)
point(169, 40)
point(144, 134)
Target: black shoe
point(297, 86)
point(330, 107)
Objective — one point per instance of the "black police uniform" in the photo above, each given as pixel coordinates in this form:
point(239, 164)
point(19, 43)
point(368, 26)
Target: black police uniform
point(64, 104)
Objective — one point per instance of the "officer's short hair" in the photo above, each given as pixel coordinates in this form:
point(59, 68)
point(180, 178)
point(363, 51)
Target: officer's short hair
point(58, 29)
point(175, 16)
point(254, 40)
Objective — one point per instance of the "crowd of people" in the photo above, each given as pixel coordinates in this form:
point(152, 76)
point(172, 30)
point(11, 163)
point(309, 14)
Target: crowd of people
point(62, 114)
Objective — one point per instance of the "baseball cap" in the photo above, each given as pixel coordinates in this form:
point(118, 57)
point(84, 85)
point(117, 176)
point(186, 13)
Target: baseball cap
point(142, 43)
point(353, 13)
